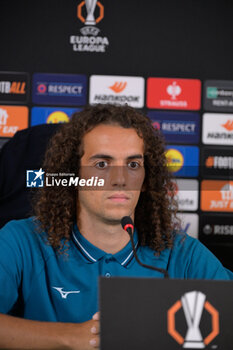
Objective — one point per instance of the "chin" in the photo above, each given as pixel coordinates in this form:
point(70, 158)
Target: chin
point(117, 215)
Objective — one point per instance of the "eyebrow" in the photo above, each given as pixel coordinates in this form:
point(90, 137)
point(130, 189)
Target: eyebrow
point(106, 156)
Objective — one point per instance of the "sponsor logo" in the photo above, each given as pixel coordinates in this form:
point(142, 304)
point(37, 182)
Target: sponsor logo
point(217, 129)
point(57, 117)
point(12, 119)
point(51, 115)
point(186, 194)
point(173, 93)
point(217, 162)
point(174, 90)
point(60, 89)
point(193, 304)
point(64, 294)
point(216, 228)
point(183, 161)
point(177, 126)
point(189, 224)
point(35, 178)
point(218, 95)
point(89, 13)
point(13, 87)
point(217, 195)
point(116, 89)
point(228, 125)
point(175, 160)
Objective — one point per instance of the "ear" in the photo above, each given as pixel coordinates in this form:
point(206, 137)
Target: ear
point(143, 189)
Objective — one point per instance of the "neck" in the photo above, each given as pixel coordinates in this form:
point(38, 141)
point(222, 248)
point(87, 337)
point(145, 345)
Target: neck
point(108, 237)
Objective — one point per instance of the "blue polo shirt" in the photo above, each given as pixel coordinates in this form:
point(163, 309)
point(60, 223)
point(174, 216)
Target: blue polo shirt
point(38, 284)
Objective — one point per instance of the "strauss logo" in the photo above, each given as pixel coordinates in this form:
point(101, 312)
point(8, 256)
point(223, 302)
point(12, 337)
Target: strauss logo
point(174, 90)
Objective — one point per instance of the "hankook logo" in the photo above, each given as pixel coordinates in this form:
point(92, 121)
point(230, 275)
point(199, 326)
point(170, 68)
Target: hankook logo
point(217, 129)
point(193, 304)
point(118, 87)
point(228, 125)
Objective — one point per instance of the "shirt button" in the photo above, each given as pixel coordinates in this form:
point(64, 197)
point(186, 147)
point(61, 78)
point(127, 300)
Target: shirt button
point(108, 274)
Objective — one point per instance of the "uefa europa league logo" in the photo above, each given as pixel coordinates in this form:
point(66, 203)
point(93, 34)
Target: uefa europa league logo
point(193, 304)
point(90, 6)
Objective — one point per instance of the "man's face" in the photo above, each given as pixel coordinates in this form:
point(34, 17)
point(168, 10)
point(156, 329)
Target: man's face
point(116, 155)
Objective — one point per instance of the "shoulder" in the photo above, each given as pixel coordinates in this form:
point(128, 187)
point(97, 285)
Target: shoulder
point(188, 258)
point(191, 257)
point(23, 235)
point(16, 229)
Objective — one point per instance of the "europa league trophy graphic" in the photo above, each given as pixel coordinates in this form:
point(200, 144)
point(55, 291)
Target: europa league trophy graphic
point(193, 304)
point(90, 6)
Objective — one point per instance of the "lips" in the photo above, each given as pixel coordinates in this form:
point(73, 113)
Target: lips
point(118, 198)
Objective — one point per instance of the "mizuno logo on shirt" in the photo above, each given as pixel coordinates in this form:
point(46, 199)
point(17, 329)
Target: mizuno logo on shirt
point(65, 294)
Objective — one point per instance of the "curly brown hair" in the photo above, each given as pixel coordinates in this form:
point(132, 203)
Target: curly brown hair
point(155, 213)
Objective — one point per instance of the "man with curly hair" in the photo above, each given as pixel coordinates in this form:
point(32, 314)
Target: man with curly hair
point(50, 264)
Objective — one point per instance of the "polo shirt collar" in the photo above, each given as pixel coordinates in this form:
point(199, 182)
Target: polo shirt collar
point(93, 254)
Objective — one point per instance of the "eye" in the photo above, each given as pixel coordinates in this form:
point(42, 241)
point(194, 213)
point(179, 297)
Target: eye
point(101, 165)
point(133, 165)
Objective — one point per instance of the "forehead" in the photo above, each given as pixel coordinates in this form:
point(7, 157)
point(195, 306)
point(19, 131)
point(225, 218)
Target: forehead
point(112, 138)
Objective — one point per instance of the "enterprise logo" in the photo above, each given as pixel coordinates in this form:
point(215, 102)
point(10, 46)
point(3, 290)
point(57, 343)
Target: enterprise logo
point(65, 89)
point(12, 119)
point(217, 195)
point(117, 89)
point(13, 87)
point(217, 129)
point(168, 93)
point(218, 95)
point(216, 228)
point(59, 89)
point(177, 127)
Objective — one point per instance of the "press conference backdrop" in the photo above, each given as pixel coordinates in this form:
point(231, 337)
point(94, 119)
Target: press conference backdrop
point(170, 59)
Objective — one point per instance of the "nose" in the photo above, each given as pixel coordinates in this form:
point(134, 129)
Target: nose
point(118, 176)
